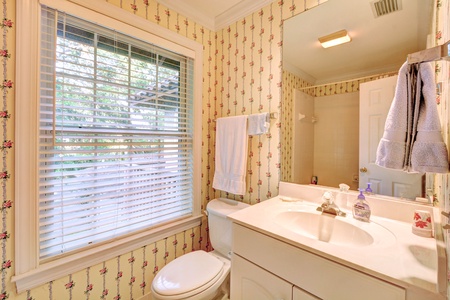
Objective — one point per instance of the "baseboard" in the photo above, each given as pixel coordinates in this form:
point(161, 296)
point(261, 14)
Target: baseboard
point(145, 297)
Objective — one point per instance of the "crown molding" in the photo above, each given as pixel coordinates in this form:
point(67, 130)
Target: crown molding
point(184, 9)
point(352, 76)
point(215, 23)
point(298, 72)
point(238, 12)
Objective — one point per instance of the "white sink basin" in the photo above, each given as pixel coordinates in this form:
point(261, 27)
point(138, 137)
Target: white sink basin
point(340, 231)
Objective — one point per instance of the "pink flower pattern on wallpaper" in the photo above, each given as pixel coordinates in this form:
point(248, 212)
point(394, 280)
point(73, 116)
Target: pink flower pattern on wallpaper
point(70, 285)
point(89, 288)
point(7, 144)
point(119, 275)
point(6, 23)
point(5, 53)
point(7, 86)
point(6, 265)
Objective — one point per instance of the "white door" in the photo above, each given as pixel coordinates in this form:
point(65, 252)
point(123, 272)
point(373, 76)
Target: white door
point(249, 282)
point(375, 100)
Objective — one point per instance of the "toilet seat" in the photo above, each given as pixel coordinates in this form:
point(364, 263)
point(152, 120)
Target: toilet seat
point(188, 275)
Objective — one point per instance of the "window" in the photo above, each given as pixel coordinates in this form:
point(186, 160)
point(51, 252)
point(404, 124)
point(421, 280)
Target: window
point(116, 144)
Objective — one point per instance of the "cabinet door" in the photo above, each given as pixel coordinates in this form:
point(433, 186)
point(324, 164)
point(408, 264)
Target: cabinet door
point(299, 294)
point(249, 281)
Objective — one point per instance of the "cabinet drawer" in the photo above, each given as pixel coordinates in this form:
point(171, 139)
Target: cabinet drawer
point(316, 275)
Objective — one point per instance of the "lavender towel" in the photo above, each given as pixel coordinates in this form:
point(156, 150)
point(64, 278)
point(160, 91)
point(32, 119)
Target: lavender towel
point(412, 139)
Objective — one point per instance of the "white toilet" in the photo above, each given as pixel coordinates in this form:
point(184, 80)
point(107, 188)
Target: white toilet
point(201, 275)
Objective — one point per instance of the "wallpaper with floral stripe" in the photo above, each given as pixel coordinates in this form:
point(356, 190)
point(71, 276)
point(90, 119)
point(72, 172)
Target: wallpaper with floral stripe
point(242, 75)
point(441, 27)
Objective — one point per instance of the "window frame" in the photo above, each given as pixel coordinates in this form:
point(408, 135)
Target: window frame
point(29, 271)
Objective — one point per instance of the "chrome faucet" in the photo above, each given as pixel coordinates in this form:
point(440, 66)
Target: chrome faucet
point(329, 207)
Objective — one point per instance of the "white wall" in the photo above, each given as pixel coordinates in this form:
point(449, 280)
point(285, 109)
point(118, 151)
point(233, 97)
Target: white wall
point(336, 137)
point(329, 147)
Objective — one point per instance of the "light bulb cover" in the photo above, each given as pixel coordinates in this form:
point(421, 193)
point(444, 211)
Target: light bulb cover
point(334, 39)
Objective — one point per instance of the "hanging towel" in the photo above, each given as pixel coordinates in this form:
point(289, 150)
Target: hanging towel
point(258, 123)
point(428, 151)
point(231, 154)
point(391, 149)
point(412, 139)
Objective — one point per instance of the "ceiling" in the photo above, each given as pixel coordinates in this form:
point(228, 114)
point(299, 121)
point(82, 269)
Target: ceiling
point(215, 14)
point(379, 44)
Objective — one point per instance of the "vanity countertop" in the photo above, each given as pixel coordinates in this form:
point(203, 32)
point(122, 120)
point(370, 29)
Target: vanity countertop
point(404, 258)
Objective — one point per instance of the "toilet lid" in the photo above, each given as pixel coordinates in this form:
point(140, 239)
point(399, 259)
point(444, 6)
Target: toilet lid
point(186, 273)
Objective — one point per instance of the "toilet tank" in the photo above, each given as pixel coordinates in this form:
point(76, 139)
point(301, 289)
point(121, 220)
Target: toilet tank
point(219, 225)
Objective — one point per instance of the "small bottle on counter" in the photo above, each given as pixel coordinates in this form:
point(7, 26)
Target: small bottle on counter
point(361, 208)
point(368, 190)
point(341, 197)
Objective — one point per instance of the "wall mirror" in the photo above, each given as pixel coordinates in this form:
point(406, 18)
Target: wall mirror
point(322, 138)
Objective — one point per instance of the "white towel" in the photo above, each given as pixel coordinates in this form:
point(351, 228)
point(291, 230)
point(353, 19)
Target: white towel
point(258, 123)
point(412, 139)
point(231, 154)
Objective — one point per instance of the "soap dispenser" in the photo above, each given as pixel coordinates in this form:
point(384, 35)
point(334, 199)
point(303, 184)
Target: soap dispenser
point(361, 208)
point(368, 189)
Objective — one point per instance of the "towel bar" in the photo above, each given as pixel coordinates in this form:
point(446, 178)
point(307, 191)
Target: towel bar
point(446, 226)
point(273, 115)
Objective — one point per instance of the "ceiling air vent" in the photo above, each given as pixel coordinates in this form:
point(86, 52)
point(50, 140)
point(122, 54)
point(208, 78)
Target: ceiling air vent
point(384, 7)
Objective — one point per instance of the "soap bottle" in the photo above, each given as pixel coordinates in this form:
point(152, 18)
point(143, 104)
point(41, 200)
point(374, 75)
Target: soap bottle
point(341, 197)
point(361, 208)
point(368, 189)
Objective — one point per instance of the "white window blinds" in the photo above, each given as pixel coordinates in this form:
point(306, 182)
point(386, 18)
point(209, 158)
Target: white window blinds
point(115, 135)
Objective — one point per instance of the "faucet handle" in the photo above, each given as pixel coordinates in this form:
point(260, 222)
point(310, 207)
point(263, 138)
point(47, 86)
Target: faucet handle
point(328, 197)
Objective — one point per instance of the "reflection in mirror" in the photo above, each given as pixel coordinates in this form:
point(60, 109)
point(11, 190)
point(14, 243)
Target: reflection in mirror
point(325, 137)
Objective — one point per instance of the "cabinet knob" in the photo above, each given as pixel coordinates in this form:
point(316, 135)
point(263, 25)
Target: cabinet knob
point(363, 170)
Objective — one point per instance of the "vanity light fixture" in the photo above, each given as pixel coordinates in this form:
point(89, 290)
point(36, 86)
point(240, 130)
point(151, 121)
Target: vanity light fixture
point(334, 39)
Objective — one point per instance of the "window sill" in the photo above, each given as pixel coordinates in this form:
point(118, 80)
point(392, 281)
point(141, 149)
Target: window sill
point(81, 260)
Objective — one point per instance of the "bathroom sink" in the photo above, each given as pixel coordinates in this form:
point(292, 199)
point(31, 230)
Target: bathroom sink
point(338, 231)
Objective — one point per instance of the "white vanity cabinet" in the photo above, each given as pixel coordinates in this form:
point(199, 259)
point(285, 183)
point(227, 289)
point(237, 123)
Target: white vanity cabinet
point(264, 267)
point(253, 282)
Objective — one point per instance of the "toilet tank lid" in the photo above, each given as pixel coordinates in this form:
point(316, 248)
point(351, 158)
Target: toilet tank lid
point(223, 206)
